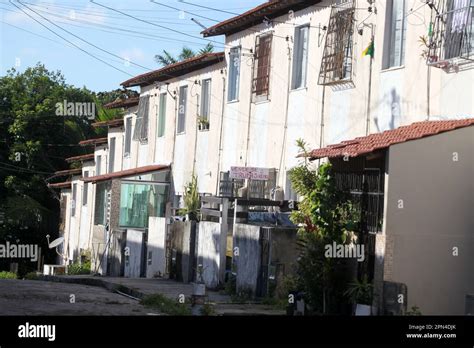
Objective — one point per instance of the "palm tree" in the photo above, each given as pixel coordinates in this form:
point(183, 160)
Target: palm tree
point(166, 58)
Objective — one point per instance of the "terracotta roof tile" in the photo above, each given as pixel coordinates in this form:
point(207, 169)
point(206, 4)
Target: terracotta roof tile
point(111, 123)
point(126, 173)
point(88, 157)
point(269, 9)
point(68, 172)
point(96, 141)
point(175, 70)
point(379, 141)
point(122, 103)
point(60, 185)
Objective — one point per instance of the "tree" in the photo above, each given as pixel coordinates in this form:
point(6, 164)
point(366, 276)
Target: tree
point(325, 216)
point(166, 58)
point(34, 141)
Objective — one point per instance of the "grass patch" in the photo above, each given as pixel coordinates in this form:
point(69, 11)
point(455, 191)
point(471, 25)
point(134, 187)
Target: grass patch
point(276, 303)
point(165, 305)
point(79, 269)
point(7, 275)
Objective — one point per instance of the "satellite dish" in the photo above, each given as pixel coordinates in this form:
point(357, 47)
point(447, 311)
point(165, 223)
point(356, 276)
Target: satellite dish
point(56, 242)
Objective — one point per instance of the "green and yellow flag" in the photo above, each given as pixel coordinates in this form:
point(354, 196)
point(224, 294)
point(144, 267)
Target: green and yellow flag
point(369, 51)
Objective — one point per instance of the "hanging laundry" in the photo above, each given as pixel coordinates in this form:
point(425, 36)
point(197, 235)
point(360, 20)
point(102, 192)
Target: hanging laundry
point(461, 9)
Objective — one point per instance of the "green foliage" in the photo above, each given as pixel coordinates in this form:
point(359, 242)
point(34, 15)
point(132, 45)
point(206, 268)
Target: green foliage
point(7, 275)
point(414, 311)
point(208, 310)
point(325, 215)
point(167, 58)
point(191, 199)
point(31, 276)
point(361, 292)
point(79, 269)
point(165, 305)
point(34, 141)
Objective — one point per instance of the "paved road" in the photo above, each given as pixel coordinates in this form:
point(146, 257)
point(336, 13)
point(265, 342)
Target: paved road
point(32, 297)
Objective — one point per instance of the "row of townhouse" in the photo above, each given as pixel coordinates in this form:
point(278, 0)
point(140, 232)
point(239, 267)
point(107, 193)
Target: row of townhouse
point(324, 71)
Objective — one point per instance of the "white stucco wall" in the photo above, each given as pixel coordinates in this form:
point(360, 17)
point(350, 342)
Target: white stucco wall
point(429, 211)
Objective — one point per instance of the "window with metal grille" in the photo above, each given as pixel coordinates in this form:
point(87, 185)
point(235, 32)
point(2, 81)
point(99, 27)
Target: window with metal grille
point(205, 104)
point(141, 126)
point(85, 189)
point(234, 74)
point(452, 32)
point(336, 64)
point(300, 57)
point(111, 155)
point(162, 115)
point(128, 136)
point(395, 34)
point(183, 97)
point(262, 65)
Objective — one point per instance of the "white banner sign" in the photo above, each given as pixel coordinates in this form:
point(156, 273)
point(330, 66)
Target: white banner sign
point(249, 173)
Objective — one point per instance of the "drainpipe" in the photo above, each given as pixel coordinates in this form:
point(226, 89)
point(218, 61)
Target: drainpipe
point(428, 94)
point(285, 131)
point(196, 135)
point(250, 114)
point(219, 155)
point(175, 97)
point(321, 130)
point(367, 127)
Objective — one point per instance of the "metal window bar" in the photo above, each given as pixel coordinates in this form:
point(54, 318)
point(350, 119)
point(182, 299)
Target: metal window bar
point(336, 64)
point(451, 38)
point(367, 195)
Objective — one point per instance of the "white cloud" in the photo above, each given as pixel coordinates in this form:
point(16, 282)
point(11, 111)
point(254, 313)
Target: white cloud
point(133, 54)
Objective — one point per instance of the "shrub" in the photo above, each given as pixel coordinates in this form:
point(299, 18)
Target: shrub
point(7, 275)
point(78, 269)
point(31, 276)
point(165, 305)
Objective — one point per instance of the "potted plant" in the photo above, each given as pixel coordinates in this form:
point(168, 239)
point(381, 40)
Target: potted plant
point(203, 123)
point(191, 200)
point(361, 295)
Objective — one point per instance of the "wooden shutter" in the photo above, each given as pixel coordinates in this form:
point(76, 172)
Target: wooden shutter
point(263, 50)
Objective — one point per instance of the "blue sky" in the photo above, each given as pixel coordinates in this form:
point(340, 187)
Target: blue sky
point(24, 42)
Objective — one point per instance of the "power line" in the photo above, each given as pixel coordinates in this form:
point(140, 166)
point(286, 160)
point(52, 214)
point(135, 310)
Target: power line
point(87, 42)
point(184, 11)
point(70, 42)
point(158, 25)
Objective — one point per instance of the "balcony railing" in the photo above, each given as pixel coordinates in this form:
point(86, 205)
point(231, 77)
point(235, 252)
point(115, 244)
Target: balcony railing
point(451, 41)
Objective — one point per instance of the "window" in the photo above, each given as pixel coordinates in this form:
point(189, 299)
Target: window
point(111, 155)
point(141, 126)
point(183, 97)
point(300, 57)
point(395, 34)
point(140, 201)
point(452, 34)
point(100, 205)
point(162, 115)
point(98, 165)
point(128, 136)
point(74, 197)
point(336, 63)
point(85, 189)
point(261, 80)
point(205, 104)
point(234, 74)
